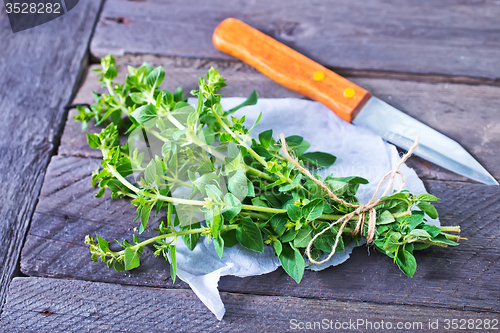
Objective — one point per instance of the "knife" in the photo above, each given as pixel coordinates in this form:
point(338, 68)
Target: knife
point(349, 101)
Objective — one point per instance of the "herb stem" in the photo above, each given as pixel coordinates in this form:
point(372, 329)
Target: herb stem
point(174, 234)
point(237, 138)
point(450, 228)
point(259, 173)
point(454, 237)
point(125, 182)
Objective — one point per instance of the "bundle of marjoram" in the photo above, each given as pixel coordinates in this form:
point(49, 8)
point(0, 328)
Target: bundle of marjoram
point(213, 180)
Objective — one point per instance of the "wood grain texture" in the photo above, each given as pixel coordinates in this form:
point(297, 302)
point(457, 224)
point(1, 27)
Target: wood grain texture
point(51, 305)
point(39, 69)
point(468, 114)
point(463, 277)
point(289, 68)
point(449, 37)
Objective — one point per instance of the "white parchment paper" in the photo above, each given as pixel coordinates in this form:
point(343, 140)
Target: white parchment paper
point(359, 152)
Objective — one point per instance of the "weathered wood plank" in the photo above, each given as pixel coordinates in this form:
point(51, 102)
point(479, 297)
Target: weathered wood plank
point(447, 37)
point(459, 277)
point(465, 113)
point(51, 305)
point(38, 72)
point(66, 212)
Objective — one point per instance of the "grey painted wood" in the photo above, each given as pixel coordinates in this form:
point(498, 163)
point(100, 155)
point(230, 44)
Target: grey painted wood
point(52, 305)
point(463, 277)
point(449, 37)
point(38, 72)
point(469, 114)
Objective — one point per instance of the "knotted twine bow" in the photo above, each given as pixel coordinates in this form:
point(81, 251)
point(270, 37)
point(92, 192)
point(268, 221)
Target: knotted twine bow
point(360, 210)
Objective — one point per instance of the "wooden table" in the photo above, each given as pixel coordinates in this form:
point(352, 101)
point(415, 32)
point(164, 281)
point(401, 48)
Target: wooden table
point(436, 61)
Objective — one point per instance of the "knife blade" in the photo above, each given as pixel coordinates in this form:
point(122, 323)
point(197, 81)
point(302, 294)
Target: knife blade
point(349, 101)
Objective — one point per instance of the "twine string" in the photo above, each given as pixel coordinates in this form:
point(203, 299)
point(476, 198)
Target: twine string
point(359, 209)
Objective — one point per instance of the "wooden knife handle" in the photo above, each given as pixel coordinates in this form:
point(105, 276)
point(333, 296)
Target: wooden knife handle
point(289, 68)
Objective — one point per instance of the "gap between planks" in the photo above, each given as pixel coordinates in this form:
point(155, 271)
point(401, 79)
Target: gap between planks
point(52, 305)
point(39, 71)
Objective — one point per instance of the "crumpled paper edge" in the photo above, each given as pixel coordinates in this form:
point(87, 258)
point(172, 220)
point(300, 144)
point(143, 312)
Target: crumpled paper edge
point(205, 284)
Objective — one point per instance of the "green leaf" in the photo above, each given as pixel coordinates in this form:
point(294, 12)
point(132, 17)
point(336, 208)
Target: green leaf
point(294, 213)
point(145, 211)
point(147, 67)
point(419, 234)
point(229, 238)
point(266, 138)
point(441, 240)
point(292, 261)
point(100, 193)
point(231, 164)
point(427, 197)
point(251, 100)
point(428, 209)
point(103, 244)
point(238, 184)
point(150, 173)
point(297, 144)
point(259, 202)
point(399, 195)
point(263, 152)
point(415, 219)
point(406, 262)
point(165, 149)
point(304, 236)
point(191, 239)
point(232, 208)
point(278, 222)
point(293, 185)
point(167, 97)
point(131, 259)
point(144, 113)
point(179, 95)
point(420, 246)
point(313, 209)
point(249, 235)
point(320, 159)
point(278, 247)
point(201, 182)
point(392, 241)
point(337, 186)
point(93, 140)
point(214, 193)
point(326, 241)
point(155, 77)
point(289, 235)
point(138, 97)
point(431, 229)
point(173, 262)
point(232, 151)
point(219, 245)
point(251, 190)
point(385, 218)
point(215, 224)
point(136, 239)
point(118, 266)
point(176, 136)
point(345, 185)
point(110, 73)
point(256, 122)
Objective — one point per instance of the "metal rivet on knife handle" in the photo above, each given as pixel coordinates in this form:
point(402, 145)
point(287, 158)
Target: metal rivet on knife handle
point(288, 67)
point(319, 76)
point(349, 93)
